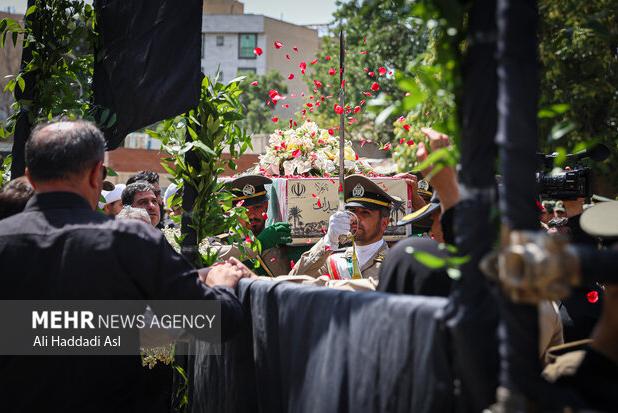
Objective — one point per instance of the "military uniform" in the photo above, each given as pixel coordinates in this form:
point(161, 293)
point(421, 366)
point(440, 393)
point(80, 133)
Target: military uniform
point(274, 261)
point(339, 264)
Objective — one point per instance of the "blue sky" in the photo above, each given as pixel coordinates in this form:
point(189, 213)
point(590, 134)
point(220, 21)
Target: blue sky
point(293, 11)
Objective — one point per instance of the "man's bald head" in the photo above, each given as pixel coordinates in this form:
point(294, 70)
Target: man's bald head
point(62, 150)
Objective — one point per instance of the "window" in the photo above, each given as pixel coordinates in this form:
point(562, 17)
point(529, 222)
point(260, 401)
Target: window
point(246, 44)
point(219, 40)
point(203, 44)
point(245, 70)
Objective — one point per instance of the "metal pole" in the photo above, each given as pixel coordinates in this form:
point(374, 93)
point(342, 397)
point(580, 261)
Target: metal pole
point(341, 119)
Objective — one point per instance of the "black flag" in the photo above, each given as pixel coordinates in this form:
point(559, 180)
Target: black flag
point(147, 65)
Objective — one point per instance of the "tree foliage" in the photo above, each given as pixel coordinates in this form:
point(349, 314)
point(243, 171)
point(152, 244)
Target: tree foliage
point(60, 35)
point(378, 34)
point(207, 130)
point(258, 113)
point(579, 100)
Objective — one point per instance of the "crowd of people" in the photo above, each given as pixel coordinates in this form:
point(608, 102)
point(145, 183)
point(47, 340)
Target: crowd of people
point(63, 236)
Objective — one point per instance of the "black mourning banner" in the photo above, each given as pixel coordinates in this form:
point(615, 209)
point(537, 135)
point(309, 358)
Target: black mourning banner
point(147, 66)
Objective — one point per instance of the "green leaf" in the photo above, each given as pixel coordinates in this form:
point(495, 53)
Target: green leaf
point(561, 129)
point(553, 110)
point(429, 260)
point(104, 116)
point(232, 116)
point(111, 172)
point(112, 121)
point(381, 118)
point(21, 82)
point(30, 10)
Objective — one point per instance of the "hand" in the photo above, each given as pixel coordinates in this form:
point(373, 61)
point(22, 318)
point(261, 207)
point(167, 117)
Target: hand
point(226, 274)
point(412, 181)
point(338, 224)
point(574, 207)
point(278, 233)
point(445, 180)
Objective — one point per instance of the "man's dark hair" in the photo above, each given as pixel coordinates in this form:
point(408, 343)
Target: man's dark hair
point(14, 196)
point(128, 195)
point(148, 176)
point(58, 150)
point(385, 212)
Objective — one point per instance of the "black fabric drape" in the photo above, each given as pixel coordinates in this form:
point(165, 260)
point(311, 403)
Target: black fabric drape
point(401, 273)
point(147, 64)
point(472, 314)
point(317, 349)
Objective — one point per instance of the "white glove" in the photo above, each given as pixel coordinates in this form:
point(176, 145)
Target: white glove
point(338, 224)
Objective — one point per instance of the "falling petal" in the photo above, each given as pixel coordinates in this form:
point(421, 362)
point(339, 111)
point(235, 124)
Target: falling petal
point(295, 49)
point(287, 56)
point(314, 61)
point(338, 109)
point(317, 84)
point(331, 132)
point(291, 76)
point(254, 83)
point(258, 51)
point(302, 65)
point(275, 119)
point(387, 147)
point(278, 44)
point(406, 127)
point(592, 296)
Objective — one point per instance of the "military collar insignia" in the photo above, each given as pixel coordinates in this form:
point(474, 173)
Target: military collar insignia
point(358, 191)
point(248, 190)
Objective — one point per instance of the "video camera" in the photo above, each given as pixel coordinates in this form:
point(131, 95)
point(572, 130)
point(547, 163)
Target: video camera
point(572, 184)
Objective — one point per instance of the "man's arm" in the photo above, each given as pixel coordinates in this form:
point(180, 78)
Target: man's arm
point(313, 262)
point(160, 273)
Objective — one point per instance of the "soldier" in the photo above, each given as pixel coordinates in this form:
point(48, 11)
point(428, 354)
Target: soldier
point(250, 193)
point(372, 206)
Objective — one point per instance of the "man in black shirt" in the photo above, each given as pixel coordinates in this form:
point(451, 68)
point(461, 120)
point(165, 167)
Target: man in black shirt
point(59, 248)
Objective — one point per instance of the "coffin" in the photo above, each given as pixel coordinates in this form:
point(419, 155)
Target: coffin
point(307, 204)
